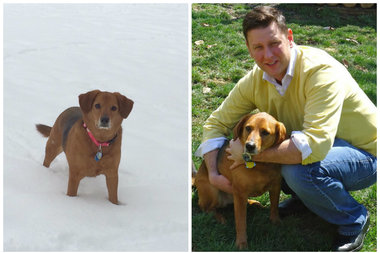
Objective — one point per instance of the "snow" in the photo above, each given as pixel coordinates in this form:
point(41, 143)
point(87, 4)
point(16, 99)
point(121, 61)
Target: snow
point(53, 53)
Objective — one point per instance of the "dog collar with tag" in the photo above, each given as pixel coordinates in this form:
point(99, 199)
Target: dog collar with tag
point(99, 154)
point(249, 163)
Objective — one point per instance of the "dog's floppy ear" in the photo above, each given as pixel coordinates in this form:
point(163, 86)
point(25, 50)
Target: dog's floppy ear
point(238, 129)
point(86, 100)
point(280, 132)
point(125, 105)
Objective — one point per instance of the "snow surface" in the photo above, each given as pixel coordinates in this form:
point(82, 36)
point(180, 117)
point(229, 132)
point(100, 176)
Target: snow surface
point(53, 53)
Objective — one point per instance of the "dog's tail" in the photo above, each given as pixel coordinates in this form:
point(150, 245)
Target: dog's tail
point(43, 129)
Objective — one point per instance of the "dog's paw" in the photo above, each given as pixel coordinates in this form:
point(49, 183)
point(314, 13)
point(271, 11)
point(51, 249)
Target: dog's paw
point(242, 245)
point(220, 218)
point(275, 220)
point(119, 203)
point(114, 201)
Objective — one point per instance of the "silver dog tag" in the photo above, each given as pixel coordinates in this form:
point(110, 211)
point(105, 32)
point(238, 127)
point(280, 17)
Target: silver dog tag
point(99, 154)
point(247, 157)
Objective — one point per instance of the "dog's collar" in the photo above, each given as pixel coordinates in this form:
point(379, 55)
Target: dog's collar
point(99, 154)
point(102, 144)
point(249, 163)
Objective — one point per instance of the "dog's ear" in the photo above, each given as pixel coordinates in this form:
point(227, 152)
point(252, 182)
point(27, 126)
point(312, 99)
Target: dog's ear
point(238, 129)
point(86, 100)
point(280, 132)
point(125, 105)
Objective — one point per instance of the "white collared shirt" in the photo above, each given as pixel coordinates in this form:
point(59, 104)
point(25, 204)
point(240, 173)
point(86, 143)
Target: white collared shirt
point(298, 137)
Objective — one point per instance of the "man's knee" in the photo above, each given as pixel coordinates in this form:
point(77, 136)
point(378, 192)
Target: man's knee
point(297, 177)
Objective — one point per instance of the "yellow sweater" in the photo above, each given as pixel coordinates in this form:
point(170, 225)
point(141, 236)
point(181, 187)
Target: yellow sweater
point(322, 100)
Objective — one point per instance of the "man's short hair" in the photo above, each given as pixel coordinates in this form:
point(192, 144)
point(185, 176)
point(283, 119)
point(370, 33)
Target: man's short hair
point(261, 17)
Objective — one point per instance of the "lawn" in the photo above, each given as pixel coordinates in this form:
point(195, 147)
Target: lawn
point(220, 59)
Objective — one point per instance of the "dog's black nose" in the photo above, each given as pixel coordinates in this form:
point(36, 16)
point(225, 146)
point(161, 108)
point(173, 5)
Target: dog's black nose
point(104, 120)
point(250, 146)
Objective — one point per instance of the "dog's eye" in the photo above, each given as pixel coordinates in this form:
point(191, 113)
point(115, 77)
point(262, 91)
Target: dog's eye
point(113, 108)
point(248, 129)
point(97, 106)
point(264, 133)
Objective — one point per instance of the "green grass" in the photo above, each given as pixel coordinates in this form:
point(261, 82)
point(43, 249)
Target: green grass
point(223, 59)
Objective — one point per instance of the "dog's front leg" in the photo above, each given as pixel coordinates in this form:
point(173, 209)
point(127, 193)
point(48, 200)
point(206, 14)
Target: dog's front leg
point(274, 195)
point(240, 209)
point(72, 188)
point(112, 182)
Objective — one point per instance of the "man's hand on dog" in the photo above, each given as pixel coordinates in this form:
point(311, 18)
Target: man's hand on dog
point(216, 179)
point(235, 150)
point(221, 182)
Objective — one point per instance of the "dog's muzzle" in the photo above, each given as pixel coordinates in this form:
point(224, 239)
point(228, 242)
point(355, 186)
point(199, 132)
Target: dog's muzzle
point(104, 122)
point(250, 147)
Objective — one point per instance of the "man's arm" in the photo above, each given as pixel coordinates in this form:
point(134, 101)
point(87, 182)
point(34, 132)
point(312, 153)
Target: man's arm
point(284, 153)
point(215, 178)
point(221, 122)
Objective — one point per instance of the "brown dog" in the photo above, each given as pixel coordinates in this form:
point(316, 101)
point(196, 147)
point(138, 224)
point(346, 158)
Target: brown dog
point(90, 136)
point(256, 132)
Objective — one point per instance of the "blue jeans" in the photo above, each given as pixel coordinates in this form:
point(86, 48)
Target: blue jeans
point(323, 186)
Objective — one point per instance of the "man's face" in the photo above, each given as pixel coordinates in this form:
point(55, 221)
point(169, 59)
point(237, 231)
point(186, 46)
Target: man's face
point(270, 48)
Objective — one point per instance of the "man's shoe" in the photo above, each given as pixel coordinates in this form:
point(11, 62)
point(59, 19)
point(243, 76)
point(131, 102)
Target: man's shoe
point(291, 206)
point(351, 243)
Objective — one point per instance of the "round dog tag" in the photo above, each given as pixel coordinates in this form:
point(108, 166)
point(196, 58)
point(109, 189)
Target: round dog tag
point(250, 165)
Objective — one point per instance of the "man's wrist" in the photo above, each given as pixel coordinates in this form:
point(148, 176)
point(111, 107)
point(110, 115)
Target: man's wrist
point(213, 172)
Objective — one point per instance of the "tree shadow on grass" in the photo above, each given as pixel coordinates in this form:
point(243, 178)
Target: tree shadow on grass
point(311, 14)
point(325, 15)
